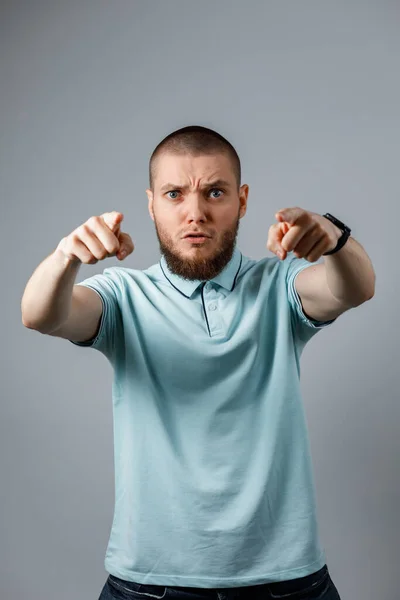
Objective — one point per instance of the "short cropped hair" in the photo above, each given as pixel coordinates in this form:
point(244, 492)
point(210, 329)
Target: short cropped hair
point(195, 140)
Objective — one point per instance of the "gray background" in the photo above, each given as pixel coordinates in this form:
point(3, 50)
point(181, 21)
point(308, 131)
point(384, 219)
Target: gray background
point(309, 95)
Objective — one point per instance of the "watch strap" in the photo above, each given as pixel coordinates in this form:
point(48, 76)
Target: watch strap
point(346, 231)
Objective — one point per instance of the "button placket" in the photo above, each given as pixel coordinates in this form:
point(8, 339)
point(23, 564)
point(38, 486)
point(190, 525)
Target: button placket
point(211, 297)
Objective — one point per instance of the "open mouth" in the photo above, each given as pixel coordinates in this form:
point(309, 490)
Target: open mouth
point(196, 238)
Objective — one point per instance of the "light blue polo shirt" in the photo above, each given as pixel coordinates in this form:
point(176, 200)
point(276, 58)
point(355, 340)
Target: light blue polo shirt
point(213, 475)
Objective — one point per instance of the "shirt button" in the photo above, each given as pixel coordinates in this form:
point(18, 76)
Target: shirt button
point(212, 306)
point(208, 286)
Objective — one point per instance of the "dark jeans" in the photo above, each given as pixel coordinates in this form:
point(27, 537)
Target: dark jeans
point(317, 586)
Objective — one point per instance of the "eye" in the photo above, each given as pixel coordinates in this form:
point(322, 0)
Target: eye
point(172, 192)
point(216, 190)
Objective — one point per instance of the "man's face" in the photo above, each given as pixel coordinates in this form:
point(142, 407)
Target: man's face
point(196, 194)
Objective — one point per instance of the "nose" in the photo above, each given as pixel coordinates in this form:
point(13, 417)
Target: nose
point(196, 208)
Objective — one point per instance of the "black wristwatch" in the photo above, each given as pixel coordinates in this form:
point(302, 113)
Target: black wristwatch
point(345, 235)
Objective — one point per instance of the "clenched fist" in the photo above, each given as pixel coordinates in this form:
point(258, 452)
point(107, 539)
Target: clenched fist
point(98, 238)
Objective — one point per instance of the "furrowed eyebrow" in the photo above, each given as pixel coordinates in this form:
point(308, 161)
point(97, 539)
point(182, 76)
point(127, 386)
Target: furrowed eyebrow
point(175, 186)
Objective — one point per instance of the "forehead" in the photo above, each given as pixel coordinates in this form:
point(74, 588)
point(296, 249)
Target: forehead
point(183, 168)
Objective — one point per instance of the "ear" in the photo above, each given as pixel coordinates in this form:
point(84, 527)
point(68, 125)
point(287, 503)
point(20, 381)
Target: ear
point(150, 203)
point(243, 195)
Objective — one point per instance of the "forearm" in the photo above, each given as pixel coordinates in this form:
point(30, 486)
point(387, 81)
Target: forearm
point(350, 274)
point(47, 297)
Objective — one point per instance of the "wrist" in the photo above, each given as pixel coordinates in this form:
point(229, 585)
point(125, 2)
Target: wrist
point(66, 260)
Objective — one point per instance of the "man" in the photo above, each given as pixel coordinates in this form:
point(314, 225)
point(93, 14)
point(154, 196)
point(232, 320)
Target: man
point(214, 492)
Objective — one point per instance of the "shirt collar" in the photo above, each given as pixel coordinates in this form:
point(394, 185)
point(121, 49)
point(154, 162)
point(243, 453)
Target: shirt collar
point(226, 278)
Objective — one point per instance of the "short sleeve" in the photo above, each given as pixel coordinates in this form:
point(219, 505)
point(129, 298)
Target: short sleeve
point(293, 267)
point(108, 287)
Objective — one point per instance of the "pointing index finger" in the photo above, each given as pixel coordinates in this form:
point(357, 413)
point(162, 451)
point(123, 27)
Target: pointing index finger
point(113, 220)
